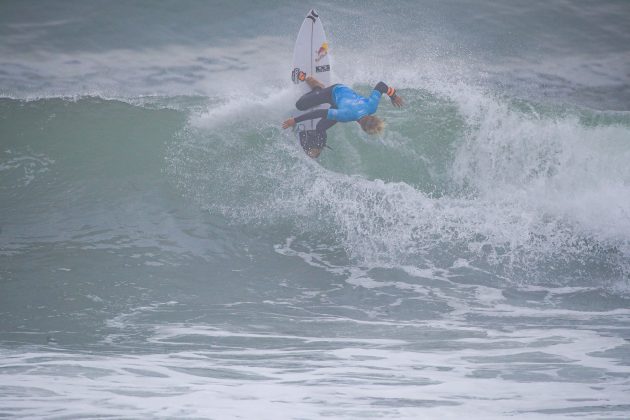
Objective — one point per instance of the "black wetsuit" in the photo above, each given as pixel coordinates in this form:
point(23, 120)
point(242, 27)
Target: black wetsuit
point(317, 96)
point(355, 107)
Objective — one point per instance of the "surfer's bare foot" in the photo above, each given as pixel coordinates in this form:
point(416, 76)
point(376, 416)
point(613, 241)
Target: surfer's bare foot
point(313, 82)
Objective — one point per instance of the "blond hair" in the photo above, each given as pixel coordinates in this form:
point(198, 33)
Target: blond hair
point(371, 124)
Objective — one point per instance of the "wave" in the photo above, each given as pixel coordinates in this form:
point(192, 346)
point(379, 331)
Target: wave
point(530, 190)
point(461, 176)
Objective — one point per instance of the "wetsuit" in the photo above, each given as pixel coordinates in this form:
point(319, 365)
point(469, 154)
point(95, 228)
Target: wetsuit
point(345, 105)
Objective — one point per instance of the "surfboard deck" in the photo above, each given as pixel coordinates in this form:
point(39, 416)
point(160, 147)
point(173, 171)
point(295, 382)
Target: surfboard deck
point(311, 57)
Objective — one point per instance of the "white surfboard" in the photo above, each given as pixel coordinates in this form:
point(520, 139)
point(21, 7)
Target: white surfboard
point(311, 57)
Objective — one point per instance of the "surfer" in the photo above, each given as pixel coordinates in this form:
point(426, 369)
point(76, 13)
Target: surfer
point(345, 105)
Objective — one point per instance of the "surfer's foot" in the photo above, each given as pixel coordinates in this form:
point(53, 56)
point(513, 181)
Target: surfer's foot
point(313, 82)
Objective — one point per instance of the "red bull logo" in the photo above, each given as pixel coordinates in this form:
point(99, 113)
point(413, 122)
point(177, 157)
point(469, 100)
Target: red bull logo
point(323, 50)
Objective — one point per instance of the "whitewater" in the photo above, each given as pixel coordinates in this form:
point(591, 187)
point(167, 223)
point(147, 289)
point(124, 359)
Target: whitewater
point(168, 251)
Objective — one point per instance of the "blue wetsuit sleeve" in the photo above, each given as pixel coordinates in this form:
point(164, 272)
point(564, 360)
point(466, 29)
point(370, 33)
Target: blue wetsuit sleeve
point(318, 113)
point(375, 98)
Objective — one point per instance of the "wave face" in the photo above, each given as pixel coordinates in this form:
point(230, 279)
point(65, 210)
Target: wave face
point(493, 182)
point(162, 236)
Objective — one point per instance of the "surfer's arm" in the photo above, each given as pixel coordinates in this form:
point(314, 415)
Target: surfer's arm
point(391, 92)
point(318, 113)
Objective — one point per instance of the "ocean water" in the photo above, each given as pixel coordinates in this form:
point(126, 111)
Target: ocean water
point(168, 251)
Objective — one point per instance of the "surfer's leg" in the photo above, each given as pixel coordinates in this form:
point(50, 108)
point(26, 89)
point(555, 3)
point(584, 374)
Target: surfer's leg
point(324, 124)
point(315, 97)
point(314, 83)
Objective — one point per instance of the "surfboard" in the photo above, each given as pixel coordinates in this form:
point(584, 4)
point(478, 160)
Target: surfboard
point(311, 57)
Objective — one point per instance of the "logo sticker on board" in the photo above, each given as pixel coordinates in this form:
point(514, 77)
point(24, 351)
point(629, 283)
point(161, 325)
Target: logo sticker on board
point(297, 75)
point(321, 69)
point(321, 53)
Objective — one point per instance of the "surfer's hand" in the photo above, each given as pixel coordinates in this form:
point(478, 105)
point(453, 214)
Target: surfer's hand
point(288, 123)
point(397, 101)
